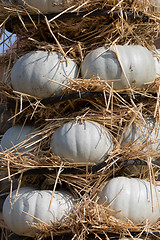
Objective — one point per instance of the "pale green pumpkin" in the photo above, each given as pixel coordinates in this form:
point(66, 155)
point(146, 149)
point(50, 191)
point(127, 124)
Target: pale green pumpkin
point(133, 198)
point(42, 74)
point(30, 205)
point(82, 142)
point(123, 66)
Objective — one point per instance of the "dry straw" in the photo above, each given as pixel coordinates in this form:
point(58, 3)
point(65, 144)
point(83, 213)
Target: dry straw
point(98, 222)
point(82, 34)
point(112, 111)
point(76, 37)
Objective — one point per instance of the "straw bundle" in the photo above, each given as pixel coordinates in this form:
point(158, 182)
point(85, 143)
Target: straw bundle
point(95, 23)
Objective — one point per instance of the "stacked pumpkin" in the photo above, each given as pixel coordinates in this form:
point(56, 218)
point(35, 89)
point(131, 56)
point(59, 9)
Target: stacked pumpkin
point(121, 66)
point(41, 74)
point(74, 141)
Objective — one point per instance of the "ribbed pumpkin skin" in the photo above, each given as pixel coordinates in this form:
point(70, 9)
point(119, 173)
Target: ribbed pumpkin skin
point(32, 73)
point(143, 133)
point(47, 6)
point(81, 142)
point(18, 135)
point(133, 197)
point(35, 203)
point(137, 62)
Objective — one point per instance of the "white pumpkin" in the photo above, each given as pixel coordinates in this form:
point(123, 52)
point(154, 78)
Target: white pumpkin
point(33, 73)
point(142, 133)
point(30, 205)
point(133, 197)
point(19, 138)
point(46, 6)
point(136, 61)
point(82, 142)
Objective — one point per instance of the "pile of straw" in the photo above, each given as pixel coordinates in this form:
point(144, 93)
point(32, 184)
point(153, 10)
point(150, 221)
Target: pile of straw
point(75, 37)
